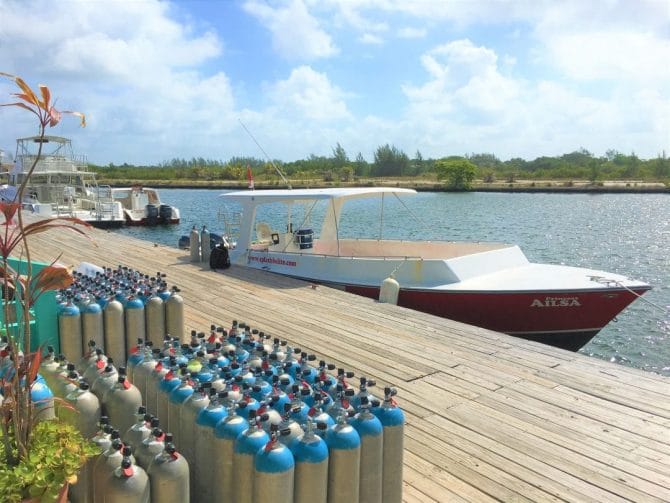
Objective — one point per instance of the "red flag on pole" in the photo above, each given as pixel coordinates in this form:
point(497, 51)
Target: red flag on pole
point(250, 177)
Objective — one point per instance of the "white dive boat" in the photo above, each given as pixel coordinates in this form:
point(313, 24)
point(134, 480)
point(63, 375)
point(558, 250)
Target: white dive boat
point(61, 184)
point(491, 285)
point(143, 206)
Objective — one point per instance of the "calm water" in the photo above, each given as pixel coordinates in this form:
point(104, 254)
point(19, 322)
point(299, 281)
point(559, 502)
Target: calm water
point(620, 233)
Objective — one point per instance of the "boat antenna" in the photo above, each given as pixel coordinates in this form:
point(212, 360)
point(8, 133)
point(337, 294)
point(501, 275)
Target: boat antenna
point(288, 184)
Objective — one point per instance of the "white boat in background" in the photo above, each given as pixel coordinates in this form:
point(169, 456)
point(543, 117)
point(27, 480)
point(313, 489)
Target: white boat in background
point(143, 206)
point(61, 184)
point(490, 285)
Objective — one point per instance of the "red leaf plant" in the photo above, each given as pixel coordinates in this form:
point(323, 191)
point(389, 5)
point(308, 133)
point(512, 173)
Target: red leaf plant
point(17, 409)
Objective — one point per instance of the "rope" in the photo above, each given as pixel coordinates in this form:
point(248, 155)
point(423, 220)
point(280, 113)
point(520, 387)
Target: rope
point(607, 281)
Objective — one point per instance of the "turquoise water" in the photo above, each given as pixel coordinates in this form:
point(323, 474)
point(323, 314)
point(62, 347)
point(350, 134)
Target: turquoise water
point(621, 233)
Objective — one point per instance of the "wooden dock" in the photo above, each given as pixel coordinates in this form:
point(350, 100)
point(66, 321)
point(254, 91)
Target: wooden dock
point(489, 417)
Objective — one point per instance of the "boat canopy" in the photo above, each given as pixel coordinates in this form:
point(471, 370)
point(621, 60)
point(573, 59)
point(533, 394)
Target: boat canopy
point(334, 199)
point(285, 195)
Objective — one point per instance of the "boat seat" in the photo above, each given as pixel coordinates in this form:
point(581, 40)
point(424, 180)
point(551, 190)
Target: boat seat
point(263, 233)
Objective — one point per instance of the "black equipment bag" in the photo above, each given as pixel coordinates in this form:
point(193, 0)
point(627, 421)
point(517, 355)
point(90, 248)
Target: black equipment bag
point(219, 258)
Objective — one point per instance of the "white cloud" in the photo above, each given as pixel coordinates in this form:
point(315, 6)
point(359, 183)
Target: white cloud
point(296, 34)
point(412, 32)
point(463, 76)
point(128, 65)
point(309, 95)
point(620, 55)
point(370, 39)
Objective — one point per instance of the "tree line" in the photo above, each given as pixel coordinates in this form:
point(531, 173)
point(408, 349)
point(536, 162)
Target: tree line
point(390, 161)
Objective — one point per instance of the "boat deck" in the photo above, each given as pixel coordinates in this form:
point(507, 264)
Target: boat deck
point(489, 417)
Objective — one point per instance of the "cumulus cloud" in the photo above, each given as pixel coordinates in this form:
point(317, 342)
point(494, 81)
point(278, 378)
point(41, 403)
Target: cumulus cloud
point(308, 94)
point(130, 66)
point(296, 34)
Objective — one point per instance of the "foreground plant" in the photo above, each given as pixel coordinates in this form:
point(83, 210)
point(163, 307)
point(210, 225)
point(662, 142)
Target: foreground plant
point(19, 443)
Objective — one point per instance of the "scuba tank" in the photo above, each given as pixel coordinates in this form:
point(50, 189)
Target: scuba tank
point(152, 445)
point(169, 477)
point(205, 245)
point(344, 457)
point(84, 410)
point(128, 484)
point(85, 415)
point(92, 328)
point(96, 365)
point(134, 320)
point(393, 421)
point(136, 434)
point(194, 244)
point(121, 402)
point(289, 427)
point(105, 465)
point(363, 391)
point(89, 356)
point(153, 382)
point(169, 382)
point(370, 430)
point(155, 319)
point(142, 370)
point(273, 471)
point(69, 331)
point(42, 399)
point(49, 367)
point(176, 399)
point(82, 490)
point(135, 357)
point(115, 331)
point(174, 315)
point(225, 433)
point(205, 422)
point(104, 382)
point(67, 386)
point(310, 454)
point(63, 384)
point(246, 446)
point(189, 411)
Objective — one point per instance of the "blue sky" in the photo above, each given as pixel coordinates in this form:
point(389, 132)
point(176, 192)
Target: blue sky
point(523, 78)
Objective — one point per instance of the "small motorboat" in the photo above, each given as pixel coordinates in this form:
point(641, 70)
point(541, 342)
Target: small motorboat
point(143, 206)
point(490, 285)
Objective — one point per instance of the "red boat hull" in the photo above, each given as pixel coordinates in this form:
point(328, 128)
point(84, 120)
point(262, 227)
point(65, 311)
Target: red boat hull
point(563, 319)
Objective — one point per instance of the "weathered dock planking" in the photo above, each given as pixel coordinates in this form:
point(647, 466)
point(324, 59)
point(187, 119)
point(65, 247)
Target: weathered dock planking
point(490, 417)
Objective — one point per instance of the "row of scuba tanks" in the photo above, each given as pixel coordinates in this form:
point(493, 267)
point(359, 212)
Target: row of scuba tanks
point(251, 420)
point(87, 395)
point(260, 421)
point(114, 307)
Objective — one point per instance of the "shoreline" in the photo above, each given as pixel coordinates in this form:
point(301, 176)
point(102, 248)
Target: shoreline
point(545, 186)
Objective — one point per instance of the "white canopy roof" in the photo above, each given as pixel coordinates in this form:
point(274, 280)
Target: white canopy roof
point(284, 195)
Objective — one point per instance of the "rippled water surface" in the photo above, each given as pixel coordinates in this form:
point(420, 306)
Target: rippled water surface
point(622, 233)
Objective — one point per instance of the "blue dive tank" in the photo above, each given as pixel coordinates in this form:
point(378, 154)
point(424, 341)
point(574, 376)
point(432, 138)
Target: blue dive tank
point(363, 391)
point(226, 432)
point(169, 382)
point(69, 331)
point(92, 324)
point(393, 421)
point(205, 422)
point(370, 430)
point(273, 471)
point(135, 323)
point(310, 454)
point(344, 451)
point(246, 446)
point(136, 356)
point(176, 399)
point(43, 400)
